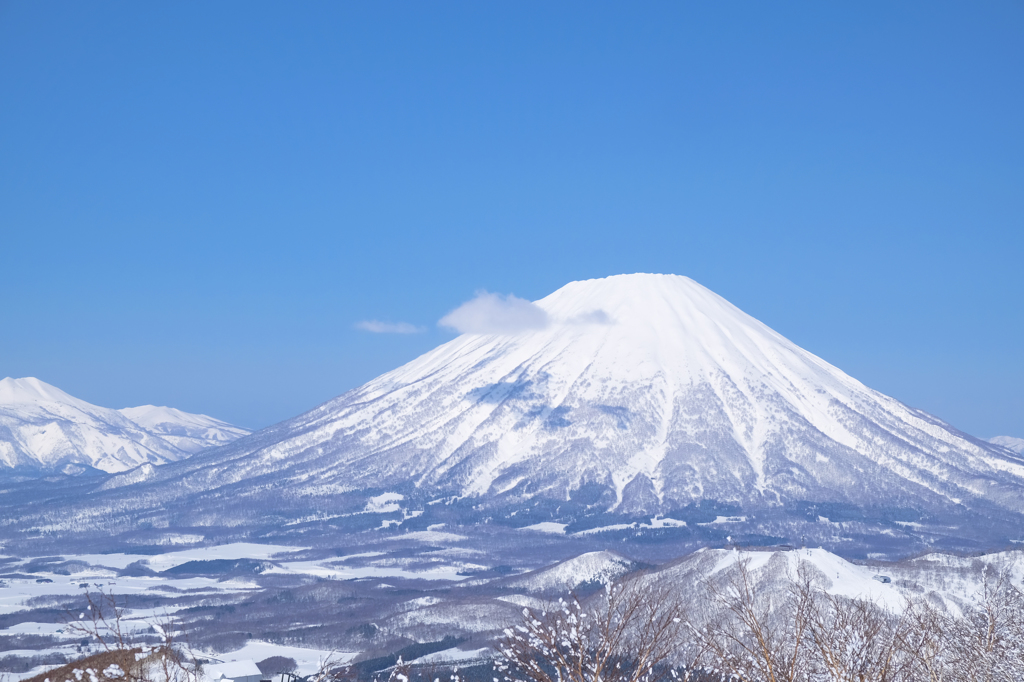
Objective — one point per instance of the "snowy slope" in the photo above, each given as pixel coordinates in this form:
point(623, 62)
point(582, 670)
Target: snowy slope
point(649, 387)
point(946, 577)
point(566, 576)
point(44, 428)
point(187, 432)
point(1009, 442)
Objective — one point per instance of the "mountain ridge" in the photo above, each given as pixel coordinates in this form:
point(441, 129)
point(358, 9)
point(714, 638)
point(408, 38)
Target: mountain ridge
point(1010, 443)
point(44, 429)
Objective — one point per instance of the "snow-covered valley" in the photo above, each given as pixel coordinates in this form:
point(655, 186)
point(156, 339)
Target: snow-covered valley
point(432, 590)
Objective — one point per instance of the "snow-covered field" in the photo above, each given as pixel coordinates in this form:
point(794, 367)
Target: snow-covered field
point(160, 586)
point(308, 660)
point(379, 589)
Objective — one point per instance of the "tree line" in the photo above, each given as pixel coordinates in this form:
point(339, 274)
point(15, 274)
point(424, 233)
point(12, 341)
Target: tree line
point(740, 626)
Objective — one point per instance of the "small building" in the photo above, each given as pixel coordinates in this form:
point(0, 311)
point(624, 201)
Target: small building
point(882, 578)
point(233, 671)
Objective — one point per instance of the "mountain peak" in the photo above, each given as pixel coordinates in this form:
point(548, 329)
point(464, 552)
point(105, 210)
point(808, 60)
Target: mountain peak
point(187, 431)
point(30, 389)
point(642, 393)
point(670, 320)
point(1009, 442)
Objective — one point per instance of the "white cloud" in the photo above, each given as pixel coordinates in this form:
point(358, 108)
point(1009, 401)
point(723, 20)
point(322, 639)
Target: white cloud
point(491, 313)
point(378, 327)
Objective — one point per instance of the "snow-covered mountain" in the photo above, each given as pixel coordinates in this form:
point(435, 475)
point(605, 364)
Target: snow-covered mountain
point(188, 432)
point(42, 428)
point(566, 576)
point(639, 405)
point(647, 392)
point(1009, 442)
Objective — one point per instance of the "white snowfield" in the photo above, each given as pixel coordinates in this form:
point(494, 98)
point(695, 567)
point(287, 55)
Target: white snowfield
point(308, 660)
point(42, 427)
point(954, 580)
point(651, 386)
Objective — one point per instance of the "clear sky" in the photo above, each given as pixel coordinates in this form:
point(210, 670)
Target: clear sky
point(200, 201)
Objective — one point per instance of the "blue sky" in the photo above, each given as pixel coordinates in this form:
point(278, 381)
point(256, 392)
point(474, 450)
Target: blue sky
point(199, 201)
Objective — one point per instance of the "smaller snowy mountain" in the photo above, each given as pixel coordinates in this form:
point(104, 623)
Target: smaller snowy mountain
point(43, 429)
point(601, 567)
point(188, 432)
point(1010, 443)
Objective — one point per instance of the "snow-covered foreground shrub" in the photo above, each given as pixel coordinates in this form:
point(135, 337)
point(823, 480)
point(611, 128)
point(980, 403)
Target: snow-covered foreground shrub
point(631, 632)
point(769, 625)
point(128, 652)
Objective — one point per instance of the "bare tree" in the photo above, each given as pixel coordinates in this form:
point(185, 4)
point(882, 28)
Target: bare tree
point(132, 659)
point(855, 640)
point(757, 635)
point(990, 647)
point(631, 632)
point(980, 641)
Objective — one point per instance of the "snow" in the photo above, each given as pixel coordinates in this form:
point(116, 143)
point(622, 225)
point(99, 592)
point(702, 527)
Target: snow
point(233, 670)
point(116, 560)
point(140, 473)
point(851, 580)
point(661, 522)
point(429, 536)
point(309, 660)
point(606, 529)
point(18, 593)
point(455, 655)
point(953, 579)
point(726, 519)
point(388, 502)
point(188, 432)
point(30, 628)
point(675, 396)
point(235, 550)
point(48, 429)
point(548, 527)
point(656, 522)
point(1009, 442)
point(603, 566)
point(32, 390)
point(336, 570)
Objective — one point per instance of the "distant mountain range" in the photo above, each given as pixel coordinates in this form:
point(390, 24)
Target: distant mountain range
point(43, 429)
point(640, 405)
point(1010, 443)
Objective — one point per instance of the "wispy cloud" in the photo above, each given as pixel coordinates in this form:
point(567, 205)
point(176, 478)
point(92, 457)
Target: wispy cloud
point(378, 327)
point(489, 313)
